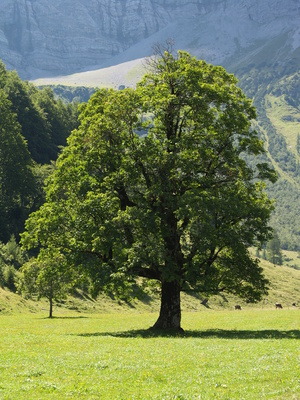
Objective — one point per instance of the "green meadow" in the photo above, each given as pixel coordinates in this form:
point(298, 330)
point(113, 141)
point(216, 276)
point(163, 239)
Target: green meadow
point(223, 354)
point(104, 349)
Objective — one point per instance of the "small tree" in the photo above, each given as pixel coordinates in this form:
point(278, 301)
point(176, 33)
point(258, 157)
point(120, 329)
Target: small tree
point(178, 205)
point(12, 254)
point(273, 250)
point(47, 278)
point(11, 258)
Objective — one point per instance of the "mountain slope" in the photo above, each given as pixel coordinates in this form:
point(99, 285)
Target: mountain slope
point(41, 38)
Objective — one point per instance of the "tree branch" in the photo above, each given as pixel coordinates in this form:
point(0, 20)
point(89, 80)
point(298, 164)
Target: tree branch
point(150, 273)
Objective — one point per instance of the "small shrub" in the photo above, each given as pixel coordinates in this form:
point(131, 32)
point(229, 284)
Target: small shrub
point(1, 276)
point(10, 278)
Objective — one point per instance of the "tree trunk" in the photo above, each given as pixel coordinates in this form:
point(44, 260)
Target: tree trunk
point(51, 307)
point(170, 312)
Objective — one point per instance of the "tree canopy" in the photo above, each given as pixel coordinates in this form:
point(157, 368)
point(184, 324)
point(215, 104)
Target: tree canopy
point(178, 204)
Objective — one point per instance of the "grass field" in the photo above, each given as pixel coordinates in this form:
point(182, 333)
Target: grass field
point(291, 259)
point(248, 354)
point(103, 349)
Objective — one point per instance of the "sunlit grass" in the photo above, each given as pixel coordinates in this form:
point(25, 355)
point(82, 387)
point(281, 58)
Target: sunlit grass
point(278, 110)
point(250, 354)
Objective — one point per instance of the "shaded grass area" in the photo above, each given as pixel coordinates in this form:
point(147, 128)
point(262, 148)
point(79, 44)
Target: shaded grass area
point(210, 333)
point(252, 354)
point(291, 259)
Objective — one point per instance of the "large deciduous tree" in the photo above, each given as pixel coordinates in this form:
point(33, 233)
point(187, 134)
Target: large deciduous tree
point(177, 204)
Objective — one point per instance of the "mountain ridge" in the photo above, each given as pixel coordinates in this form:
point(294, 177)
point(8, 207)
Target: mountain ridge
point(40, 38)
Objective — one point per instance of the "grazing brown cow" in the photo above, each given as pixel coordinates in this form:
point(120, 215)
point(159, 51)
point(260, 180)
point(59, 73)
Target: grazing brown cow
point(237, 307)
point(278, 305)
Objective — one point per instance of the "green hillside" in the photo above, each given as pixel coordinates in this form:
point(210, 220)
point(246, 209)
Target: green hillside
point(284, 288)
point(285, 118)
point(269, 73)
point(273, 82)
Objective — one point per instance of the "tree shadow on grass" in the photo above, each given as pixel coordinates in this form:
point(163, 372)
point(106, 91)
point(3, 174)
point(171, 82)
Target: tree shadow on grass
point(207, 334)
point(55, 317)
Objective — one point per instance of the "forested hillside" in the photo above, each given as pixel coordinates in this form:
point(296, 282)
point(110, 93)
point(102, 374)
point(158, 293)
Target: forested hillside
point(33, 127)
point(275, 91)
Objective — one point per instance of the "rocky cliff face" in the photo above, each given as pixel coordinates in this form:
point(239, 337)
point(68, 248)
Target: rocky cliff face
point(39, 37)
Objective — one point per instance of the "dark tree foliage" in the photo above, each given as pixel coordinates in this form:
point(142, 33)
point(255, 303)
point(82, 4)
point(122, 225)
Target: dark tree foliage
point(33, 127)
point(72, 94)
point(45, 122)
point(17, 181)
